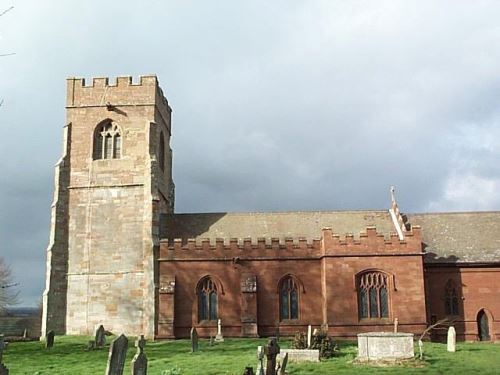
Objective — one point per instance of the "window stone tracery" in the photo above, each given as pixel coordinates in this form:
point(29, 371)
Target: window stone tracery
point(373, 295)
point(107, 141)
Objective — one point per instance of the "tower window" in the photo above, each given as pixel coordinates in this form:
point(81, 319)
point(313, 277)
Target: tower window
point(207, 300)
point(161, 152)
point(373, 295)
point(107, 141)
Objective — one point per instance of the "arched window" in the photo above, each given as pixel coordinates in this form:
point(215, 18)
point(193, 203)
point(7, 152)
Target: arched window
point(107, 141)
point(161, 152)
point(289, 298)
point(373, 295)
point(450, 298)
point(207, 300)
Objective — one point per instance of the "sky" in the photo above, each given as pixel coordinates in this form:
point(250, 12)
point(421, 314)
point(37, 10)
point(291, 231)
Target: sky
point(277, 105)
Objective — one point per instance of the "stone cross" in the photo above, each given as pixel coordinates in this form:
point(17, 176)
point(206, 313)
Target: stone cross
point(2, 347)
point(283, 365)
point(309, 335)
point(117, 355)
point(219, 337)
point(260, 357)
point(271, 350)
point(194, 340)
point(100, 337)
point(3, 370)
point(139, 363)
point(49, 339)
point(452, 339)
point(396, 322)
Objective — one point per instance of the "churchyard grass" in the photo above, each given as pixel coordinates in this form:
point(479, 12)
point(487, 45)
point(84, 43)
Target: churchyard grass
point(69, 356)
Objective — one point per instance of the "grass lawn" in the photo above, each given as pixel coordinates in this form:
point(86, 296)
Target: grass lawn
point(69, 356)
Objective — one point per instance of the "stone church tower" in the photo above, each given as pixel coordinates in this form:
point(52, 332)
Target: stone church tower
point(112, 182)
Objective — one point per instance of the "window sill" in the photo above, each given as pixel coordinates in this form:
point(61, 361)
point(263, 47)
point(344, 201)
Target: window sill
point(207, 323)
point(376, 321)
point(291, 322)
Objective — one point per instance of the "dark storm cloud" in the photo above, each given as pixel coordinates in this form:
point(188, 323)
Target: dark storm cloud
point(277, 105)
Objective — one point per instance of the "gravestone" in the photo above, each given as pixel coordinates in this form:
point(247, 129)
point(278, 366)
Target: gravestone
point(219, 337)
point(260, 357)
point(271, 350)
point(194, 340)
point(396, 322)
point(117, 354)
point(211, 342)
point(25, 334)
point(49, 339)
point(140, 362)
point(3, 370)
point(452, 339)
point(100, 337)
point(309, 335)
point(2, 347)
point(284, 362)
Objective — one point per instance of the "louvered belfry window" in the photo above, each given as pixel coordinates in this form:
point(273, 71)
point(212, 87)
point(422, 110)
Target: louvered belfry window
point(207, 300)
point(107, 142)
point(373, 295)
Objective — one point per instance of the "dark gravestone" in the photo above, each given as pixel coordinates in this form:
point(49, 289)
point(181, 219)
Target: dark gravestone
point(100, 337)
point(2, 347)
point(284, 362)
point(3, 370)
point(271, 350)
point(140, 362)
point(117, 355)
point(194, 340)
point(49, 339)
point(248, 371)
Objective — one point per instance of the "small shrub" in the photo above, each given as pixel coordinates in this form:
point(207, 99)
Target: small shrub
point(173, 371)
point(299, 341)
point(327, 347)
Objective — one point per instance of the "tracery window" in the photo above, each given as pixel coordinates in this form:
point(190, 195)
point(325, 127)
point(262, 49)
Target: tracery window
point(107, 141)
point(161, 152)
point(289, 298)
point(207, 300)
point(373, 295)
point(450, 298)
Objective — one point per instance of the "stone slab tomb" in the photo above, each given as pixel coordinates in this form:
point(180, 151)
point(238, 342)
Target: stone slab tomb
point(374, 346)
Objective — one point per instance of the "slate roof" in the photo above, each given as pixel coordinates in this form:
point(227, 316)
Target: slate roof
point(460, 237)
point(272, 224)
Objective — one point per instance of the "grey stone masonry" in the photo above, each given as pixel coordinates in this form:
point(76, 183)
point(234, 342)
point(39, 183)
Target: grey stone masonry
point(385, 346)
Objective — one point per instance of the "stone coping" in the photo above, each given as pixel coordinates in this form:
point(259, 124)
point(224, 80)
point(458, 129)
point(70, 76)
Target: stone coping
point(385, 334)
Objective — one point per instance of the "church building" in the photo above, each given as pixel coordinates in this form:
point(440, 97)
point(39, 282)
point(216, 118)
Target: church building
point(120, 256)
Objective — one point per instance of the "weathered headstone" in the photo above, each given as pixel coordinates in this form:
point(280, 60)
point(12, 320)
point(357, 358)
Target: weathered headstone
point(211, 342)
point(452, 339)
point(309, 335)
point(396, 322)
point(194, 340)
point(100, 337)
point(140, 362)
point(25, 334)
point(49, 339)
point(3, 345)
point(91, 345)
point(3, 370)
point(117, 354)
point(271, 350)
point(260, 357)
point(248, 371)
point(219, 337)
point(284, 362)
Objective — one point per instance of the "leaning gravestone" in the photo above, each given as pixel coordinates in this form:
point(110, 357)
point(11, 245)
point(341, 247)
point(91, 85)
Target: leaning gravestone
point(194, 340)
point(100, 337)
point(117, 354)
point(140, 362)
point(284, 362)
point(49, 339)
point(271, 350)
point(3, 370)
point(452, 339)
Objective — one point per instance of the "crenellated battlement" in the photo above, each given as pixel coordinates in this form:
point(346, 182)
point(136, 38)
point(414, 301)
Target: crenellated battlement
point(330, 243)
point(120, 91)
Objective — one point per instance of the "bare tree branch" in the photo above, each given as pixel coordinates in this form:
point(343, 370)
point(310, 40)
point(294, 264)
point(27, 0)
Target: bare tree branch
point(8, 295)
point(6, 10)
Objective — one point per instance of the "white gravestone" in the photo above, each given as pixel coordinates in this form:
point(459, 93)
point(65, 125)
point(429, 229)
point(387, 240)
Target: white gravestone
point(260, 357)
point(219, 337)
point(452, 339)
point(309, 335)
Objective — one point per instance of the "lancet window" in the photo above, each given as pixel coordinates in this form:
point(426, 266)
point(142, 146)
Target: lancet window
point(161, 152)
point(289, 298)
point(207, 300)
point(373, 295)
point(107, 141)
point(450, 298)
